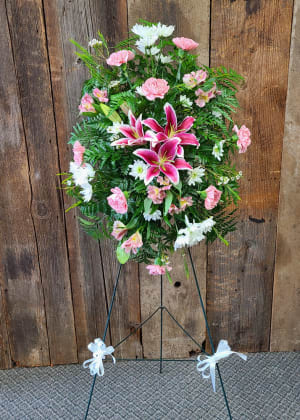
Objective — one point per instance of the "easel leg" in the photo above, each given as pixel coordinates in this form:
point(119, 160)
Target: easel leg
point(161, 323)
point(209, 333)
point(104, 334)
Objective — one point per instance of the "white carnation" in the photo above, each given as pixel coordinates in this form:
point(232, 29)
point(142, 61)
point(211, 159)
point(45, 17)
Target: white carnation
point(86, 192)
point(81, 174)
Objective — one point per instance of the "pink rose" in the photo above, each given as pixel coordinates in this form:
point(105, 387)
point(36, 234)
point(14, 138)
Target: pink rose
point(212, 197)
point(186, 44)
point(133, 243)
point(101, 95)
point(117, 201)
point(156, 270)
point(78, 152)
point(244, 140)
point(119, 230)
point(155, 88)
point(120, 57)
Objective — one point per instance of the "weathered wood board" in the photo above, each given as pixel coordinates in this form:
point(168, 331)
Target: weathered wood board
point(27, 28)
point(285, 325)
point(253, 38)
point(182, 293)
point(23, 328)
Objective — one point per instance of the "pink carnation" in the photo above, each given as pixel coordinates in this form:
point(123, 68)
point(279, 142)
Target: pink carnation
point(155, 270)
point(117, 201)
point(101, 95)
point(133, 243)
point(119, 230)
point(120, 57)
point(212, 197)
point(78, 151)
point(154, 88)
point(244, 140)
point(186, 44)
point(156, 194)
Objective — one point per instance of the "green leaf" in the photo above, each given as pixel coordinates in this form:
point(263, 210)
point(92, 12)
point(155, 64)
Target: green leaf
point(73, 206)
point(169, 277)
point(114, 116)
point(132, 223)
point(167, 221)
point(122, 256)
point(147, 205)
point(178, 186)
point(168, 202)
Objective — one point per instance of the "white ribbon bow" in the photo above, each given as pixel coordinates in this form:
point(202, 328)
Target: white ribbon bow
point(210, 362)
point(99, 350)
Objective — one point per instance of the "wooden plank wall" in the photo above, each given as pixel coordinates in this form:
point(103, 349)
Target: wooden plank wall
point(55, 281)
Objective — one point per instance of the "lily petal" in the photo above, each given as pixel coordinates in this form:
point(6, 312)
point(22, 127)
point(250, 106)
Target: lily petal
point(153, 124)
point(171, 116)
point(169, 149)
point(149, 156)
point(151, 173)
point(131, 118)
point(171, 172)
point(139, 127)
point(120, 142)
point(127, 131)
point(180, 151)
point(162, 137)
point(187, 138)
point(186, 124)
point(182, 164)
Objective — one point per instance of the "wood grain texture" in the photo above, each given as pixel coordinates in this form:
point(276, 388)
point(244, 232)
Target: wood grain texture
point(182, 293)
point(32, 67)
point(23, 330)
point(285, 326)
point(253, 38)
point(63, 22)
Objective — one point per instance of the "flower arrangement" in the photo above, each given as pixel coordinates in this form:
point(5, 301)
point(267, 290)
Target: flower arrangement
point(152, 153)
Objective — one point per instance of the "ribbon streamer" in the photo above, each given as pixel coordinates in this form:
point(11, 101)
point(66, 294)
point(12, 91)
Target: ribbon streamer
point(99, 350)
point(210, 362)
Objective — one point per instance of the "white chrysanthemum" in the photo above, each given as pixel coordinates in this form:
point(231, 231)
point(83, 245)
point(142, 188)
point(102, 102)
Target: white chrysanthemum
point(86, 192)
point(156, 215)
point(95, 43)
point(141, 46)
point(185, 101)
point(239, 175)
point(138, 169)
point(114, 129)
point(114, 83)
point(218, 150)
point(193, 233)
point(81, 174)
point(196, 175)
point(165, 59)
point(164, 30)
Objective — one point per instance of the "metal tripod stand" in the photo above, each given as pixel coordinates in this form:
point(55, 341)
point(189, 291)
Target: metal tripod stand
point(161, 309)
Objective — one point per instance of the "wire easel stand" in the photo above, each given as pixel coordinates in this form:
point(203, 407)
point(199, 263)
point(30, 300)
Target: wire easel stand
point(161, 309)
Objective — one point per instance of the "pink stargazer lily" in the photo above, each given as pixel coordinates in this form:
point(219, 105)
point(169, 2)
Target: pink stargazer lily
point(173, 130)
point(163, 161)
point(134, 133)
